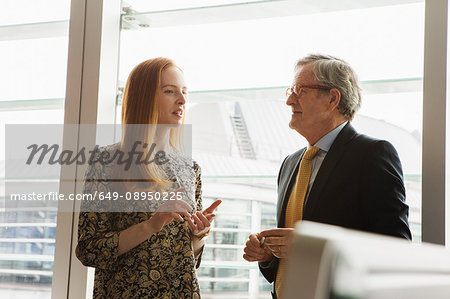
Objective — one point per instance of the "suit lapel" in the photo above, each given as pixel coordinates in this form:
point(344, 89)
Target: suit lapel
point(291, 170)
point(329, 163)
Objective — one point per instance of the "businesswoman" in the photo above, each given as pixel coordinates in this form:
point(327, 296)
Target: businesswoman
point(147, 253)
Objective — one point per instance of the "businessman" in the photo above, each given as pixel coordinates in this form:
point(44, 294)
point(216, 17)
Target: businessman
point(341, 178)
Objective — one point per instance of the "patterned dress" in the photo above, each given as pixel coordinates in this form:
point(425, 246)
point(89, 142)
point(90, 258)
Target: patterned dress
point(161, 267)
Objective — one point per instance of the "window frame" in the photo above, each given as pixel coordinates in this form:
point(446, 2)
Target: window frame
point(91, 83)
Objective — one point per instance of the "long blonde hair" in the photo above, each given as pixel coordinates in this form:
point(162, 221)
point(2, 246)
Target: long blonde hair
point(140, 107)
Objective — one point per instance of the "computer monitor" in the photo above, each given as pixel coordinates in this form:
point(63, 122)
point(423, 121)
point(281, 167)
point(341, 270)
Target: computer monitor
point(330, 262)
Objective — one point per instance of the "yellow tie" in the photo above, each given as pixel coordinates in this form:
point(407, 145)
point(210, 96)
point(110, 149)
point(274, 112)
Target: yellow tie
point(294, 210)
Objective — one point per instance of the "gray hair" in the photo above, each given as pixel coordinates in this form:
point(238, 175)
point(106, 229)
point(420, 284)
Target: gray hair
point(336, 73)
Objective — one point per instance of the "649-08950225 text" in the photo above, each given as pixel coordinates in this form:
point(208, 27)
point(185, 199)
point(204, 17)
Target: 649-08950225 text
point(103, 196)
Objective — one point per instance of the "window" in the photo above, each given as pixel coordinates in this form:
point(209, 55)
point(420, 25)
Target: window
point(33, 56)
point(238, 59)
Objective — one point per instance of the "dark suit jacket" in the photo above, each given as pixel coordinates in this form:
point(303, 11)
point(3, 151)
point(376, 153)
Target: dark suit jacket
point(359, 186)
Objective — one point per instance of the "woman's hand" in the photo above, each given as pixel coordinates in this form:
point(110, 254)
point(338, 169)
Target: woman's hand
point(200, 222)
point(167, 212)
point(138, 233)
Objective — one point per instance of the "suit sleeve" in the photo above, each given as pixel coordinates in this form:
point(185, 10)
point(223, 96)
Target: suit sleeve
point(383, 201)
point(269, 268)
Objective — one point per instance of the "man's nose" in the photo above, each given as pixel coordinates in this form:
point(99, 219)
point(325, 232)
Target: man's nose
point(291, 100)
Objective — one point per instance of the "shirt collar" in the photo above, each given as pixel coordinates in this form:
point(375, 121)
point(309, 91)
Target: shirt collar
point(326, 141)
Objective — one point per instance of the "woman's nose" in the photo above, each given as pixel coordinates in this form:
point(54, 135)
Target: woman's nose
point(181, 98)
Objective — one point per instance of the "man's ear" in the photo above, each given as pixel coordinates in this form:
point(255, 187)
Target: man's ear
point(335, 98)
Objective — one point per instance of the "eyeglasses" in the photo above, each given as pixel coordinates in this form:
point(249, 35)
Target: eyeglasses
point(297, 89)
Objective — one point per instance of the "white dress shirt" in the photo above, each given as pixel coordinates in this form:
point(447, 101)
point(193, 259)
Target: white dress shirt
point(324, 144)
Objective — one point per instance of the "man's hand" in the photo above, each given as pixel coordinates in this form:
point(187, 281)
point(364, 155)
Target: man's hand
point(277, 241)
point(254, 252)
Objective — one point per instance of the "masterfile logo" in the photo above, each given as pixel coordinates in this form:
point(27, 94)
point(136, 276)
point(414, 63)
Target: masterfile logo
point(100, 166)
